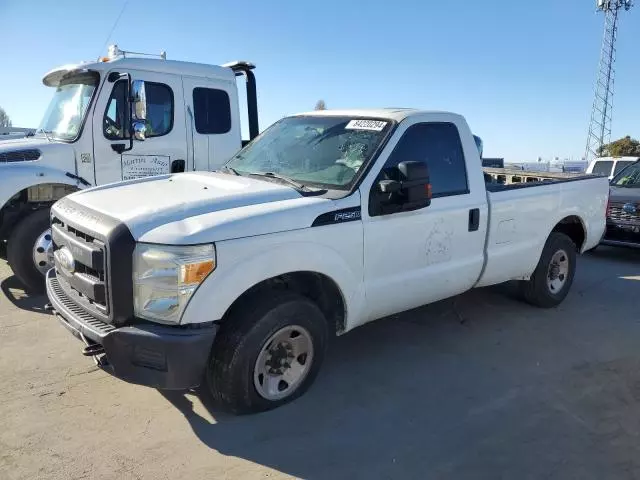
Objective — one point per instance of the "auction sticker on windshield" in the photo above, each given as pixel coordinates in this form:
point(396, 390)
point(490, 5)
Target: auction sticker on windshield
point(375, 125)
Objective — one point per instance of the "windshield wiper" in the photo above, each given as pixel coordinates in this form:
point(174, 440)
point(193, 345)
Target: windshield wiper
point(32, 133)
point(290, 181)
point(231, 169)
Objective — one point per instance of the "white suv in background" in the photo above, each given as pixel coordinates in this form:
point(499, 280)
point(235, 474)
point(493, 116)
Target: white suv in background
point(610, 166)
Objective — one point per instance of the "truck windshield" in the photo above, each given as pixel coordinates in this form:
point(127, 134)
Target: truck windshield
point(326, 151)
point(65, 115)
point(629, 177)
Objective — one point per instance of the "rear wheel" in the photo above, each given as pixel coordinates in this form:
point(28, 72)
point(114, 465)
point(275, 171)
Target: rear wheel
point(552, 278)
point(29, 250)
point(267, 353)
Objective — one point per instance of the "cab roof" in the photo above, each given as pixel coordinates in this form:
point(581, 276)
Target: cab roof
point(53, 78)
point(397, 114)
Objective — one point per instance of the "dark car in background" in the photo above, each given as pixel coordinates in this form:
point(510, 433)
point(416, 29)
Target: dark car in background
point(623, 212)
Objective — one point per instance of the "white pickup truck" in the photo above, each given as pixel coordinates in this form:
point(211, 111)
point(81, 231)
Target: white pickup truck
point(238, 278)
point(87, 137)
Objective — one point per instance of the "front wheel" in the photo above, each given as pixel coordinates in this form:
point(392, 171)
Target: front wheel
point(267, 352)
point(552, 278)
point(29, 250)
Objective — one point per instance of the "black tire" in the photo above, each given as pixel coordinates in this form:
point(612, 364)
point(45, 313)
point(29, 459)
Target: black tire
point(20, 249)
point(536, 291)
point(230, 372)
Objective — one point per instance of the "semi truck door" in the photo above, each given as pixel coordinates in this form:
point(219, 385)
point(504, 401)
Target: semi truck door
point(165, 147)
point(213, 121)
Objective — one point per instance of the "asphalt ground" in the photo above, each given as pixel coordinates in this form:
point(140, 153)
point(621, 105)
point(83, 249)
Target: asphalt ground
point(478, 386)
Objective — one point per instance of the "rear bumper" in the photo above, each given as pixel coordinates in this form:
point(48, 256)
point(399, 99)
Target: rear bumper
point(146, 354)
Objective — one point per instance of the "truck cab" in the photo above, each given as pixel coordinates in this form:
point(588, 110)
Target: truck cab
point(119, 118)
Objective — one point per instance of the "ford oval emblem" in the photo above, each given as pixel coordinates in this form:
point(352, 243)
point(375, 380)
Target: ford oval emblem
point(629, 208)
point(64, 259)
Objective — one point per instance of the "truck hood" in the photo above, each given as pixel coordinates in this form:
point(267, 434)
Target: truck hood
point(52, 153)
point(192, 208)
point(624, 194)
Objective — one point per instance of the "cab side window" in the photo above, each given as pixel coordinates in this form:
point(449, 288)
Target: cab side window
point(211, 110)
point(115, 123)
point(603, 167)
point(439, 146)
point(159, 109)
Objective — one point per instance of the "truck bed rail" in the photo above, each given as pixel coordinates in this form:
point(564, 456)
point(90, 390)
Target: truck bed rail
point(498, 179)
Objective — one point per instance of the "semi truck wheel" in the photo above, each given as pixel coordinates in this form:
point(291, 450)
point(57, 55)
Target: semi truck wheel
point(267, 352)
point(29, 250)
point(552, 278)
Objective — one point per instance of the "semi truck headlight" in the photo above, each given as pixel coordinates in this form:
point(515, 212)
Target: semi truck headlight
point(165, 277)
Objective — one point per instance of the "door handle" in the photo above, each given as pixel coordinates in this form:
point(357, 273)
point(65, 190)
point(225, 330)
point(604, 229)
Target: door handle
point(474, 219)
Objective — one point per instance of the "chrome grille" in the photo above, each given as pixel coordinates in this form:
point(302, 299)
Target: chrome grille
point(86, 286)
point(617, 213)
point(27, 155)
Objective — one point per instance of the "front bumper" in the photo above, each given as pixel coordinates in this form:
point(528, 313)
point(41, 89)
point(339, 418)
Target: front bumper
point(157, 356)
point(622, 235)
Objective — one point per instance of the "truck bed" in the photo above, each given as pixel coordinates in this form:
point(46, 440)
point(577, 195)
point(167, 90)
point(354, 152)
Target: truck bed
point(500, 179)
point(520, 218)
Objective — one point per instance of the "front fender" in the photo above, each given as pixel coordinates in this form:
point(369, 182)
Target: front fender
point(17, 177)
point(238, 271)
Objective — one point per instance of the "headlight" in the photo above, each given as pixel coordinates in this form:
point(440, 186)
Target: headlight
point(165, 277)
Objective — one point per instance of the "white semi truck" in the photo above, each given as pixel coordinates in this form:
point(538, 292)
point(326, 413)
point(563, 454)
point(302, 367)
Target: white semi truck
point(119, 118)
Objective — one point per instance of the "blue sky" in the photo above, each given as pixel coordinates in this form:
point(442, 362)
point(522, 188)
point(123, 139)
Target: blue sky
point(521, 72)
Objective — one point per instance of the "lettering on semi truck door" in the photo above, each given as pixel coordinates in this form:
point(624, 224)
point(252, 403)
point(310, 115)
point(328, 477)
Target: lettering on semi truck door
point(139, 166)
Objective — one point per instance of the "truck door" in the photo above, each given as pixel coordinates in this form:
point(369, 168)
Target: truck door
point(213, 121)
point(165, 147)
point(415, 257)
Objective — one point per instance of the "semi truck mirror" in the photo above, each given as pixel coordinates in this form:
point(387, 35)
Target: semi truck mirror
point(139, 131)
point(139, 100)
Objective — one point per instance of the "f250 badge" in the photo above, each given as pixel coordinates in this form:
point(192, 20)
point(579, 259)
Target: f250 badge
point(346, 216)
point(338, 216)
point(85, 157)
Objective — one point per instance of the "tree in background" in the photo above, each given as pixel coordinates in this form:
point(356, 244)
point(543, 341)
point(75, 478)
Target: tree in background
point(320, 105)
point(624, 147)
point(5, 121)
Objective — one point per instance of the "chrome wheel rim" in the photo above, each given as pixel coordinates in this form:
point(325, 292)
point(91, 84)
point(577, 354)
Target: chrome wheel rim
point(43, 252)
point(558, 271)
point(283, 363)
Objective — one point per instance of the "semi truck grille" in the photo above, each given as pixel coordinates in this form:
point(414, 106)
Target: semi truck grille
point(26, 155)
point(85, 284)
point(617, 214)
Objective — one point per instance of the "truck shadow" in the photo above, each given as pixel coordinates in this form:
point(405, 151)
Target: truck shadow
point(14, 292)
point(475, 386)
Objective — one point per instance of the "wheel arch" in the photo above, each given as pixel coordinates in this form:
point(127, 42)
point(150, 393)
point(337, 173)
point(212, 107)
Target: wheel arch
point(313, 269)
point(28, 198)
point(572, 226)
point(318, 287)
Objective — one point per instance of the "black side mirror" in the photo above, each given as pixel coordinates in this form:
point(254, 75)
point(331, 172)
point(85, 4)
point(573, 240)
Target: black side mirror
point(407, 189)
